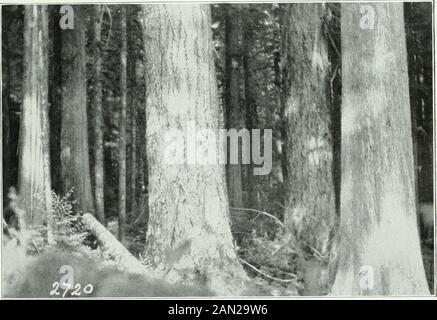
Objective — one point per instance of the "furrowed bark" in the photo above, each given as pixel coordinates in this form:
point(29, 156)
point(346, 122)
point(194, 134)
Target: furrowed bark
point(74, 132)
point(34, 160)
point(188, 202)
point(310, 207)
point(98, 121)
point(122, 132)
point(379, 248)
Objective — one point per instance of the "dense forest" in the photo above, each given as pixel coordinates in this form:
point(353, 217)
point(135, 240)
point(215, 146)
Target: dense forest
point(217, 149)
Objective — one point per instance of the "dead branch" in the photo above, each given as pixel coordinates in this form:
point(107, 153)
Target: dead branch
point(111, 246)
point(261, 212)
point(268, 276)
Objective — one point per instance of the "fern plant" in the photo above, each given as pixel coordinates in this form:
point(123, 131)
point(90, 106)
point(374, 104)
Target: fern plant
point(64, 223)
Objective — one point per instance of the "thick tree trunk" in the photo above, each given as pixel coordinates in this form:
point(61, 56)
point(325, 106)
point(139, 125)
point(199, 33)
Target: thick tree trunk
point(34, 161)
point(122, 132)
point(99, 181)
point(74, 133)
point(233, 106)
point(379, 243)
point(188, 203)
point(310, 207)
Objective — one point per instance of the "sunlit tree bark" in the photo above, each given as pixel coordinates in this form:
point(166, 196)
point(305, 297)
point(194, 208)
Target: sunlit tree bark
point(188, 203)
point(379, 249)
point(34, 161)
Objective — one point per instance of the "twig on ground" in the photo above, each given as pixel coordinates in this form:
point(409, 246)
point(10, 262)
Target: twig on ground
point(268, 276)
point(316, 253)
point(262, 212)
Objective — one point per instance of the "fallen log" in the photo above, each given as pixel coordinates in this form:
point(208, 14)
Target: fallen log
point(111, 246)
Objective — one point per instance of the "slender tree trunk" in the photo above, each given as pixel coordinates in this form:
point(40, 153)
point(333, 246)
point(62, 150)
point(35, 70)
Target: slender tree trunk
point(133, 176)
point(233, 106)
point(132, 61)
point(379, 242)
point(34, 161)
point(55, 111)
point(250, 102)
point(74, 133)
point(6, 119)
point(143, 203)
point(99, 181)
point(142, 141)
point(279, 54)
point(310, 206)
point(188, 203)
point(122, 132)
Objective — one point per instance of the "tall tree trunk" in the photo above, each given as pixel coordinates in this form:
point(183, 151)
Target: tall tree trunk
point(379, 243)
point(122, 131)
point(279, 54)
point(133, 175)
point(251, 114)
point(233, 106)
point(6, 119)
point(74, 132)
point(99, 181)
point(34, 160)
point(143, 176)
point(188, 203)
point(55, 82)
point(310, 206)
point(132, 62)
point(143, 202)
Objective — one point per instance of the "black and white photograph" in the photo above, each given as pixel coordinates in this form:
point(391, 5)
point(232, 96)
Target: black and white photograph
point(205, 150)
